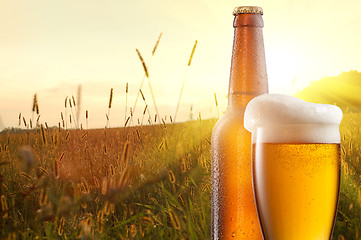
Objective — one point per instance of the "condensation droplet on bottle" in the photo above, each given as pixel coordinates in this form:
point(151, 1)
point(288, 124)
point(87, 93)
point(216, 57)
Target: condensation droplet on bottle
point(233, 234)
point(232, 219)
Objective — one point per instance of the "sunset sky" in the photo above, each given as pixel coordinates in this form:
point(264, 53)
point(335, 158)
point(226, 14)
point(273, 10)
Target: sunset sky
point(50, 47)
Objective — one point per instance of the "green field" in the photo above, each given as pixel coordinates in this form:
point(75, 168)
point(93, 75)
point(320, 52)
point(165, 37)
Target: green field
point(149, 182)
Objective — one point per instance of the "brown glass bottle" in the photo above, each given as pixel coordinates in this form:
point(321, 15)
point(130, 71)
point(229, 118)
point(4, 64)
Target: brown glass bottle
point(234, 214)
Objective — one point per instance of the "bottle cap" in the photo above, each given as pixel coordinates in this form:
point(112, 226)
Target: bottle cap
point(247, 9)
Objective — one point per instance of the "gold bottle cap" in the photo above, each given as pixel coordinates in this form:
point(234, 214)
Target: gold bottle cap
point(247, 9)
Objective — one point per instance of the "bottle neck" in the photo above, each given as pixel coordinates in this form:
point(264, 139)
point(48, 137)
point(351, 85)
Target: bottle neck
point(248, 75)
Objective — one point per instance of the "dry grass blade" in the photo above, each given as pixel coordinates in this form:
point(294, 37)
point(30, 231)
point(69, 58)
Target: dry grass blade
point(35, 101)
point(86, 118)
point(146, 74)
point(126, 122)
point(37, 108)
point(109, 107)
point(174, 219)
point(193, 50)
point(156, 44)
point(84, 135)
point(43, 134)
point(44, 170)
point(72, 97)
point(138, 134)
point(56, 169)
point(110, 98)
point(125, 153)
point(215, 99)
point(123, 178)
point(67, 136)
point(140, 90)
point(25, 175)
point(143, 63)
point(185, 76)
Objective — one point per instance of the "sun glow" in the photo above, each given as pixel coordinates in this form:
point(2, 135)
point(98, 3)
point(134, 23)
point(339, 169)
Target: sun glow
point(284, 65)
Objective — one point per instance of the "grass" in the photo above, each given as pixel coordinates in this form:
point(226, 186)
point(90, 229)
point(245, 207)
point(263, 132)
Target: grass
point(149, 182)
point(138, 182)
point(348, 224)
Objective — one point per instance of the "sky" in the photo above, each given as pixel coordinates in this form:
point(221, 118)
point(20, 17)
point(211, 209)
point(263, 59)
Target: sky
point(49, 48)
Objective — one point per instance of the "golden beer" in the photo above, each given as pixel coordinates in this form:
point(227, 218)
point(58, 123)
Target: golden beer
point(295, 165)
point(296, 188)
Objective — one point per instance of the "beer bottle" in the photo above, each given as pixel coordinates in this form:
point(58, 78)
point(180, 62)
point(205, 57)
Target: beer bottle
point(234, 214)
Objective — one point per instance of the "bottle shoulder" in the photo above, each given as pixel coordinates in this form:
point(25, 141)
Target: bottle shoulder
point(231, 117)
point(231, 123)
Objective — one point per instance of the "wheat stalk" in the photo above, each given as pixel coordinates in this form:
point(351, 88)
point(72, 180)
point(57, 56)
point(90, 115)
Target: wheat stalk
point(193, 50)
point(143, 63)
point(76, 112)
point(72, 106)
point(156, 44)
point(141, 92)
point(43, 134)
point(109, 106)
point(215, 99)
point(86, 118)
point(184, 80)
point(150, 61)
point(35, 107)
point(150, 86)
point(66, 111)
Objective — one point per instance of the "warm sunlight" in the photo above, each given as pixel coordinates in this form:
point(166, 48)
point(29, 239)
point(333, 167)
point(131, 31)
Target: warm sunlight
point(52, 47)
point(284, 64)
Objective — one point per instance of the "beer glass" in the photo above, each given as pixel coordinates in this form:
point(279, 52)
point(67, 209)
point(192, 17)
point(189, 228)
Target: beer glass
point(296, 167)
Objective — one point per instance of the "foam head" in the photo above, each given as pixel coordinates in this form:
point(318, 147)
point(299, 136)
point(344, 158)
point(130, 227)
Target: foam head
point(282, 118)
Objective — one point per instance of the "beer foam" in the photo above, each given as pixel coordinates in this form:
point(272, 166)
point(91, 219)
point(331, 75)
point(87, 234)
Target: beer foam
point(283, 118)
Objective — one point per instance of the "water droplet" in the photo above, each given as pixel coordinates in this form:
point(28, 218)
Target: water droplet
point(233, 234)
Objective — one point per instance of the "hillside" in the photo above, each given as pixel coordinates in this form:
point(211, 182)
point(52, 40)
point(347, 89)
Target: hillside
point(343, 90)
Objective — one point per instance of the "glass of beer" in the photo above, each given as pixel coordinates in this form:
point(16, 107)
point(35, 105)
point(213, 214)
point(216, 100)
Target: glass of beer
point(296, 166)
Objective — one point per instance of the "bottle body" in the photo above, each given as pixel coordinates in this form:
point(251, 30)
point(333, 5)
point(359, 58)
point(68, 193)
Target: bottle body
point(234, 214)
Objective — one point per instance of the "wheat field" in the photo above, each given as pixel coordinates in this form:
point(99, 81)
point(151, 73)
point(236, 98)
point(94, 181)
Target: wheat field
point(145, 182)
